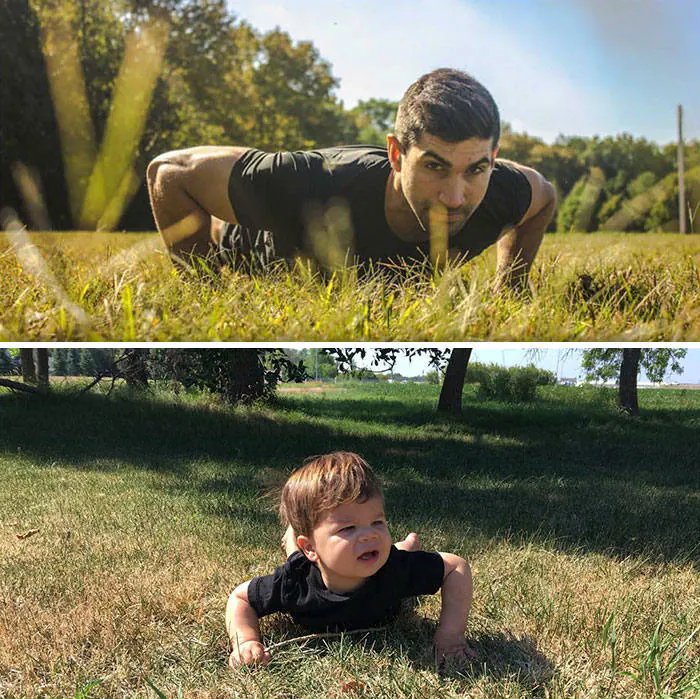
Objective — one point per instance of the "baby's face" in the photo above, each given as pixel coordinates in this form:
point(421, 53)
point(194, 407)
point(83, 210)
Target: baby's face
point(351, 543)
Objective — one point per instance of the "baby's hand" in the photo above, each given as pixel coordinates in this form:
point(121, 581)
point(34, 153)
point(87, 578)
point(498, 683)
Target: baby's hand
point(248, 653)
point(451, 648)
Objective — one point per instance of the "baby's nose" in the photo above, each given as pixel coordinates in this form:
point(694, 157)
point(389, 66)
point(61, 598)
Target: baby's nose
point(368, 535)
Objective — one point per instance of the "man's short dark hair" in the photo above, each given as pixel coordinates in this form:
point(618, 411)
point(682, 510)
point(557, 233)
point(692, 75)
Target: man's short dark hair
point(448, 104)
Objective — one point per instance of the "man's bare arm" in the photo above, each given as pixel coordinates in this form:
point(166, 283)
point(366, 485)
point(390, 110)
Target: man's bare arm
point(517, 248)
point(188, 187)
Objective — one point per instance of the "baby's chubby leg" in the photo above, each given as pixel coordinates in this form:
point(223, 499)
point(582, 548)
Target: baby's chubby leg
point(410, 543)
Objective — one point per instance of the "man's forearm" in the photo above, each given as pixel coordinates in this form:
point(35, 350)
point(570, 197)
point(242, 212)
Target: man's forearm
point(456, 598)
point(518, 248)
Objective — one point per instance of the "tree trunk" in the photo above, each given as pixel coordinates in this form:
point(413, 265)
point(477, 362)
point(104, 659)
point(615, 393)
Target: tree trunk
point(28, 369)
point(627, 395)
point(453, 384)
point(135, 370)
point(245, 376)
point(42, 368)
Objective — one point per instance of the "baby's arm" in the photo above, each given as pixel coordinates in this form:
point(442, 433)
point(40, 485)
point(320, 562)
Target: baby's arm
point(456, 602)
point(243, 630)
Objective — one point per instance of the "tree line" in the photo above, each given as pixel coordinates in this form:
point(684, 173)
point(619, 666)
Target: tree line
point(223, 82)
point(246, 375)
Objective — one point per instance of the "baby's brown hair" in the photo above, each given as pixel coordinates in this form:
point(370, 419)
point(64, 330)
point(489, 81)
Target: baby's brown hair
point(322, 483)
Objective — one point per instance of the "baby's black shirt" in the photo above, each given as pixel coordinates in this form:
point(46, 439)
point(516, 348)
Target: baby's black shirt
point(298, 588)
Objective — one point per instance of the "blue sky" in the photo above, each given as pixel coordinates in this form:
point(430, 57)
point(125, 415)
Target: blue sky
point(578, 67)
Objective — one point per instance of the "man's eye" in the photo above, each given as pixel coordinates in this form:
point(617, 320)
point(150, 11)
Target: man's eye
point(434, 166)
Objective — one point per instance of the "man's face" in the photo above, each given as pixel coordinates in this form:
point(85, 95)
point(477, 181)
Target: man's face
point(443, 182)
point(349, 544)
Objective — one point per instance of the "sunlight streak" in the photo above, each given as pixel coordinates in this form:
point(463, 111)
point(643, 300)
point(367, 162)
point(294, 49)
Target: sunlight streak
point(110, 182)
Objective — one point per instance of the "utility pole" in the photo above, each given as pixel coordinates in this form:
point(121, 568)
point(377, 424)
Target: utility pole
point(681, 178)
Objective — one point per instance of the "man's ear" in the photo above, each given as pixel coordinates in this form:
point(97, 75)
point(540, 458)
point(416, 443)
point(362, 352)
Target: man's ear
point(395, 152)
point(494, 154)
point(306, 546)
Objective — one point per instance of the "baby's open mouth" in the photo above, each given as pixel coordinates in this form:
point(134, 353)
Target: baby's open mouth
point(369, 556)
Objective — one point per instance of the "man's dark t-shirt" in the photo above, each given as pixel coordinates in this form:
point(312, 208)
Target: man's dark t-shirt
point(298, 588)
point(291, 203)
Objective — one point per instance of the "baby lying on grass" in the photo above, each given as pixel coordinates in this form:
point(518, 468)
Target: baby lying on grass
point(342, 571)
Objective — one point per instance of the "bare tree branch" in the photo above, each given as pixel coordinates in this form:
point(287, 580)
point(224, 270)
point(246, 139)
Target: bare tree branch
point(17, 386)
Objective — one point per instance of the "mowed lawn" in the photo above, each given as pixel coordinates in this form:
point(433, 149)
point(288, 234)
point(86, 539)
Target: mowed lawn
point(125, 522)
point(121, 287)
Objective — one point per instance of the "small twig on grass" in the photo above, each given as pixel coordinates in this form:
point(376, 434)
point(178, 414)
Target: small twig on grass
point(298, 639)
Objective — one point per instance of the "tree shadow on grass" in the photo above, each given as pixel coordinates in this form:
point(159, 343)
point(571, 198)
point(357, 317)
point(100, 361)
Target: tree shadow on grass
point(604, 485)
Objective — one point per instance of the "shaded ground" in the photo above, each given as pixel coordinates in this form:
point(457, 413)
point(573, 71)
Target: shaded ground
point(577, 472)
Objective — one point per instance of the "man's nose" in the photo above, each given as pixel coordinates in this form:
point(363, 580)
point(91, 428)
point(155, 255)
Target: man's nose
point(452, 194)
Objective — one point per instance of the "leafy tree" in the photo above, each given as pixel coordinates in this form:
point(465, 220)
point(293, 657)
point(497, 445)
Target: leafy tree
point(72, 361)
point(456, 361)
point(609, 363)
point(374, 118)
point(237, 375)
point(86, 363)
point(8, 363)
point(222, 82)
point(318, 364)
point(58, 362)
point(515, 384)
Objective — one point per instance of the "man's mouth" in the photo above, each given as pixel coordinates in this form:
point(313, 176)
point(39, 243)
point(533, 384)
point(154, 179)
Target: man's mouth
point(369, 556)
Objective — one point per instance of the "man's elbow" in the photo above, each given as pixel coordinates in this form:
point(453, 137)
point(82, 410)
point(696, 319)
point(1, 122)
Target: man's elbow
point(550, 194)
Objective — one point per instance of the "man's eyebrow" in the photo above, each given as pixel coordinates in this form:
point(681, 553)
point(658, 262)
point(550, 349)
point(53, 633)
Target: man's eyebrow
point(439, 158)
point(485, 160)
point(432, 154)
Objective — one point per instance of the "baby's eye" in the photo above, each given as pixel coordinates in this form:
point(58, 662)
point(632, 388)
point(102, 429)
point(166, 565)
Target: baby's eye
point(379, 521)
point(349, 528)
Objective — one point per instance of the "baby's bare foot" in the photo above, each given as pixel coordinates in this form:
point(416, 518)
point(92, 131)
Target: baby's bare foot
point(410, 543)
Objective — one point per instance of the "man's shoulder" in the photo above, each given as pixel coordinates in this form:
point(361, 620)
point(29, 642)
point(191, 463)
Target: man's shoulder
point(508, 171)
point(346, 163)
point(509, 192)
point(359, 153)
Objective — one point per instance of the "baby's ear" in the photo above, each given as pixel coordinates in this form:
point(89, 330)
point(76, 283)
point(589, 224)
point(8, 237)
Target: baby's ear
point(306, 546)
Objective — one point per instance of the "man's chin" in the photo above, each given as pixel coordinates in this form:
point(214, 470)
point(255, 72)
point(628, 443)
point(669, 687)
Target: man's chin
point(451, 224)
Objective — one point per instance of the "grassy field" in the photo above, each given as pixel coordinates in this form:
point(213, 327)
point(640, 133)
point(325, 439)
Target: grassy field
point(120, 287)
point(582, 528)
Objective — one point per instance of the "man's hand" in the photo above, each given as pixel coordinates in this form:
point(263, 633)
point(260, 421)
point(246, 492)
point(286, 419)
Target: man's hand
point(516, 249)
point(248, 653)
point(451, 647)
